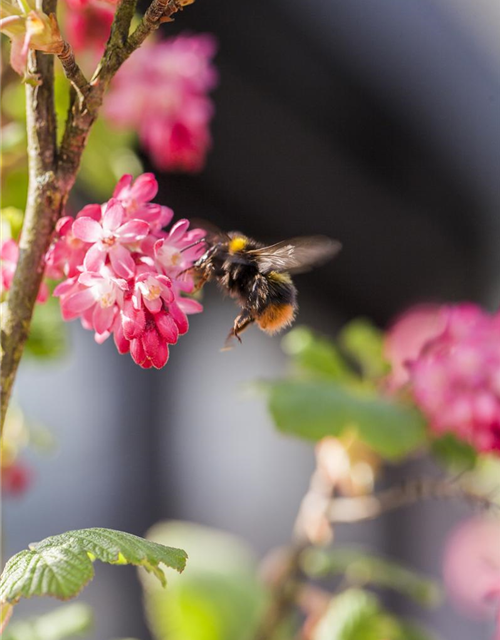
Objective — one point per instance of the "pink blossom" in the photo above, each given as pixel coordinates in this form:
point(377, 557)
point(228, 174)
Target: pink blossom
point(453, 368)
point(109, 237)
point(161, 91)
point(126, 276)
point(15, 479)
point(407, 337)
point(88, 24)
point(472, 567)
point(28, 28)
point(9, 255)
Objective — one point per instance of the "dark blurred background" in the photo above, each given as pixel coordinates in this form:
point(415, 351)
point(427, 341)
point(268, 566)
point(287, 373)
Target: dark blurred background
point(375, 122)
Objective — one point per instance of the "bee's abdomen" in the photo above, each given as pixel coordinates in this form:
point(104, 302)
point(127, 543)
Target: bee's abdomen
point(276, 316)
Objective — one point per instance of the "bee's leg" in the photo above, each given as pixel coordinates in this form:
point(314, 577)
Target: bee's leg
point(240, 324)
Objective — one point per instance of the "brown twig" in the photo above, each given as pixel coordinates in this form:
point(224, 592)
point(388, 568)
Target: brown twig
point(71, 69)
point(350, 510)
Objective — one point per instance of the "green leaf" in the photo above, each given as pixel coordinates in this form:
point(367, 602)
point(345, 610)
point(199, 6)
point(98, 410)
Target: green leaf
point(61, 565)
point(219, 598)
point(316, 354)
point(454, 454)
point(64, 622)
point(357, 615)
point(47, 337)
point(364, 342)
point(315, 409)
point(362, 568)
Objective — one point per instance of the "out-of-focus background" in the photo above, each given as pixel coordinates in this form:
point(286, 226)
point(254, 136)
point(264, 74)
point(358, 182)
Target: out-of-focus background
point(377, 123)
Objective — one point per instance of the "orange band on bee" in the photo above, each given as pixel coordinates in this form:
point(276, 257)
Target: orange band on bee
point(276, 317)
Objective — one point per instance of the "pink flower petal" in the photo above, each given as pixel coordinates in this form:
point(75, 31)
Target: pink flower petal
point(113, 217)
point(153, 305)
point(123, 184)
point(180, 318)
point(122, 344)
point(167, 327)
point(94, 258)
point(137, 351)
point(102, 318)
point(101, 337)
point(9, 251)
point(145, 188)
point(93, 211)
point(122, 262)
point(133, 322)
point(150, 342)
point(87, 229)
point(133, 231)
point(43, 293)
point(64, 287)
point(76, 303)
point(177, 231)
point(188, 305)
point(160, 358)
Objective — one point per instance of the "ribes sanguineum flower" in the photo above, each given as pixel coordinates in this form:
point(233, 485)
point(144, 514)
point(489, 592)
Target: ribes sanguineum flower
point(452, 365)
point(28, 28)
point(88, 24)
point(125, 275)
point(162, 92)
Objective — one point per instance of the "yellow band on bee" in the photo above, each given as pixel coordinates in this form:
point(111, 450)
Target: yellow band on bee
point(237, 244)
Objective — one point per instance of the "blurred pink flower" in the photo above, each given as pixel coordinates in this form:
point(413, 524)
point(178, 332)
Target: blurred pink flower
point(161, 91)
point(88, 24)
point(15, 479)
point(407, 337)
point(472, 567)
point(449, 358)
point(9, 255)
point(455, 380)
point(127, 273)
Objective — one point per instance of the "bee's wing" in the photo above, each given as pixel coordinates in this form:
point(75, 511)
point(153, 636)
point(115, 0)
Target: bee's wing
point(296, 255)
point(213, 233)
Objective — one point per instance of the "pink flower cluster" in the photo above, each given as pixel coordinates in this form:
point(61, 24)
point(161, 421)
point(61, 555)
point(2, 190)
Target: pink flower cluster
point(9, 255)
point(124, 275)
point(161, 92)
point(88, 23)
point(450, 358)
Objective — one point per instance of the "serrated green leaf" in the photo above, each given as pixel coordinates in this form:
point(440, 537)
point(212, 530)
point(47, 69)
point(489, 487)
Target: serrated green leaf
point(316, 354)
point(315, 409)
point(364, 342)
point(61, 565)
point(64, 622)
point(361, 568)
point(454, 454)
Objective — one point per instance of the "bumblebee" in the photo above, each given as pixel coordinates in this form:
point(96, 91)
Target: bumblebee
point(259, 277)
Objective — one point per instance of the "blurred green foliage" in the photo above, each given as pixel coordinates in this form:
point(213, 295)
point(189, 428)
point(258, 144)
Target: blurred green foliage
point(66, 621)
point(356, 614)
point(219, 597)
point(361, 568)
point(329, 397)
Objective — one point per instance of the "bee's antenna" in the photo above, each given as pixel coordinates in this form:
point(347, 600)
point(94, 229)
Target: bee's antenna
point(193, 244)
